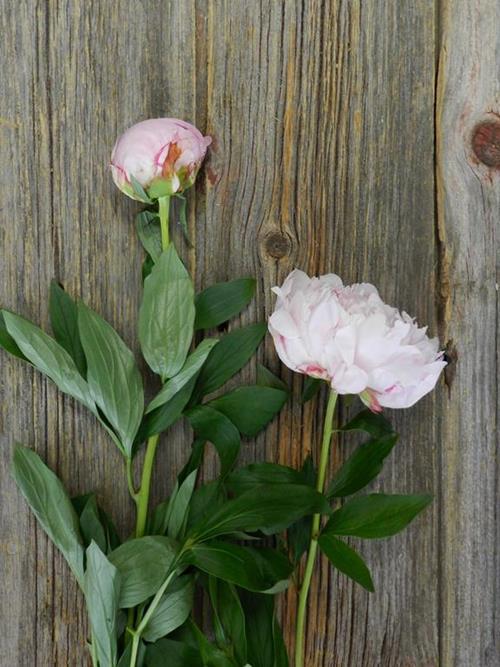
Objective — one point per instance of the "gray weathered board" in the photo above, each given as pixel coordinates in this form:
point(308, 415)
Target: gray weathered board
point(355, 136)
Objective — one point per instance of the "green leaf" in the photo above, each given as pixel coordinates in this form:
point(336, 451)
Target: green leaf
point(299, 533)
point(230, 355)
point(63, 313)
point(361, 467)
point(192, 366)
point(311, 388)
point(172, 610)
point(147, 225)
point(49, 501)
point(95, 527)
point(179, 506)
point(246, 478)
point(7, 342)
point(102, 592)
point(222, 301)
point(376, 515)
point(260, 509)
point(375, 424)
point(265, 644)
point(253, 569)
point(113, 376)
point(209, 424)
point(143, 564)
point(48, 357)
point(211, 656)
point(161, 418)
point(147, 267)
point(206, 499)
point(267, 379)
point(345, 559)
point(91, 526)
point(250, 408)
point(172, 653)
point(166, 315)
point(228, 619)
point(139, 190)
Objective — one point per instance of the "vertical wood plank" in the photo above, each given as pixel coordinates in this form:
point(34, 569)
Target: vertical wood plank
point(323, 118)
point(468, 140)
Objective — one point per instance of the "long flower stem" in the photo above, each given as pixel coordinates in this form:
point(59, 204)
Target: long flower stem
point(143, 493)
point(140, 628)
point(141, 497)
point(164, 211)
point(313, 544)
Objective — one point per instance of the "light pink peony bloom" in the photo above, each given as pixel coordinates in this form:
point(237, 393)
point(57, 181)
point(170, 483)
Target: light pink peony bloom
point(348, 336)
point(162, 154)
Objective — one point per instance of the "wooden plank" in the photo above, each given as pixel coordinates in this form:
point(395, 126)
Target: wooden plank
point(323, 118)
point(468, 141)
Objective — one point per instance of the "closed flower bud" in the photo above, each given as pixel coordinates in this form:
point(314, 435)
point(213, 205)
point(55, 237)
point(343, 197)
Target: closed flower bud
point(349, 337)
point(161, 155)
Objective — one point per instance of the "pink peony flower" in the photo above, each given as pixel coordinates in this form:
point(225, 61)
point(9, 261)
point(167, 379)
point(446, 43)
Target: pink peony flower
point(162, 154)
point(349, 337)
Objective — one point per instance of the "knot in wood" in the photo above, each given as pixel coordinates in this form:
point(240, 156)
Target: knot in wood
point(277, 245)
point(486, 143)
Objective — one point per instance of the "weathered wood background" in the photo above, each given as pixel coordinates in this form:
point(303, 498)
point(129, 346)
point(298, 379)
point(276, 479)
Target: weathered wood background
point(354, 136)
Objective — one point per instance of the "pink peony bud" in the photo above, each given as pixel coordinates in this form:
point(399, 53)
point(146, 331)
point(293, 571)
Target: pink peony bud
point(162, 154)
point(351, 338)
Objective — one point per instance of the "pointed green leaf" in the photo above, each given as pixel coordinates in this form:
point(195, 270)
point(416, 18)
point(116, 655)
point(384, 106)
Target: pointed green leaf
point(113, 376)
point(231, 354)
point(179, 506)
point(48, 357)
point(362, 466)
point(262, 508)
point(91, 526)
point(222, 301)
point(147, 225)
point(139, 190)
point(375, 424)
point(311, 388)
point(208, 424)
point(254, 569)
point(228, 619)
point(49, 501)
point(248, 477)
point(7, 342)
point(143, 564)
point(265, 644)
point(250, 408)
point(63, 313)
point(376, 515)
point(166, 315)
point(172, 611)
point(265, 378)
point(193, 364)
point(102, 592)
point(163, 417)
point(345, 559)
point(173, 653)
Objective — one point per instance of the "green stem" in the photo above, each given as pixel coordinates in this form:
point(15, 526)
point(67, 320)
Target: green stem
point(164, 211)
point(143, 493)
point(315, 529)
point(142, 625)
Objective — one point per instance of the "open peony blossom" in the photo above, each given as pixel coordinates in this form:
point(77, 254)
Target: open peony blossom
point(162, 154)
point(348, 336)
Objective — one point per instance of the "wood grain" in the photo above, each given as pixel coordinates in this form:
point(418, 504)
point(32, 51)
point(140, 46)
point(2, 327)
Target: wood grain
point(333, 151)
